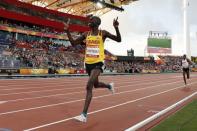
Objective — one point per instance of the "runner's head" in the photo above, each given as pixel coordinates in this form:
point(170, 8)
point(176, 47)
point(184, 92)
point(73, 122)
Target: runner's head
point(184, 56)
point(94, 22)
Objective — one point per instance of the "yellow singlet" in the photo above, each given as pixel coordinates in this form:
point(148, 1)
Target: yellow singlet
point(94, 49)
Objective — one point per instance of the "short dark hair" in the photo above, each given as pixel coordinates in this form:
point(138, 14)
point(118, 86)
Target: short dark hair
point(97, 19)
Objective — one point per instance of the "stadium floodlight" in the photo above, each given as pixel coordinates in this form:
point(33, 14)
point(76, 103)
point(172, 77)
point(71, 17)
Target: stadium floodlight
point(99, 5)
point(107, 5)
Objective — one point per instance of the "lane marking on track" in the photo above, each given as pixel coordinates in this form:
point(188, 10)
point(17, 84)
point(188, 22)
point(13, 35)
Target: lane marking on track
point(2, 102)
point(58, 89)
point(104, 109)
point(68, 102)
point(158, 114)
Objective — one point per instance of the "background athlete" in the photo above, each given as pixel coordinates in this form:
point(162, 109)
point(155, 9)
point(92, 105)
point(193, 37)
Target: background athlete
point(185, 66)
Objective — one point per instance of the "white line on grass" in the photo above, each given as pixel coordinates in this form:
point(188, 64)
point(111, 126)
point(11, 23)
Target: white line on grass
point(160, 113)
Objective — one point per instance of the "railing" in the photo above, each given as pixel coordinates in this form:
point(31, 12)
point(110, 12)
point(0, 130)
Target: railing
point(9, 62)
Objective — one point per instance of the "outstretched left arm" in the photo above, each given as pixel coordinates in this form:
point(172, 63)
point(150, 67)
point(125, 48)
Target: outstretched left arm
point(190, 62)
point(116, 37)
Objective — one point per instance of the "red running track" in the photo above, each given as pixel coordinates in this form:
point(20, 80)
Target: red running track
point(50, 104)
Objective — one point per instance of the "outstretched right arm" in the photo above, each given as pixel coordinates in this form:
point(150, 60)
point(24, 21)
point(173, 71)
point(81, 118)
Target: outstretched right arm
point(77, 41)
point(73, 42)
point(190, 62)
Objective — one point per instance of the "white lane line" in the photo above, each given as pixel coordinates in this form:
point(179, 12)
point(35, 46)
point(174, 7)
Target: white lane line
point(104, 109)
point(158, 114)
point(64, 94)
point(2, 102)
point(36, 82)
point(51, 90)
point(61, 84)
point(67, 102)
point(25, 87)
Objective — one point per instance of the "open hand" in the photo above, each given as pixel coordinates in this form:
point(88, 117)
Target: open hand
point(66, 25)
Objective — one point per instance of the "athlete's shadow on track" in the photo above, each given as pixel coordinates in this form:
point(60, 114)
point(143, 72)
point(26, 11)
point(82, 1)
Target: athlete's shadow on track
point(186, 89)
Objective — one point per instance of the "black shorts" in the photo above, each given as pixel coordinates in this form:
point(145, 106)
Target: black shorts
point(186, 69)
point(90, 67)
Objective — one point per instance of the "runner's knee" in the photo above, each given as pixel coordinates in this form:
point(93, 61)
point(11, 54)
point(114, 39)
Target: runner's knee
point(90, 84)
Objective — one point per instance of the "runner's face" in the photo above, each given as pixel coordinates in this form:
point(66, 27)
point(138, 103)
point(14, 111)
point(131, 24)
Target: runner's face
point(94, 22)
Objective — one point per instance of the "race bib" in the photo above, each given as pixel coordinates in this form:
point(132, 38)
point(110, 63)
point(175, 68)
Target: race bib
point(92, 51)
